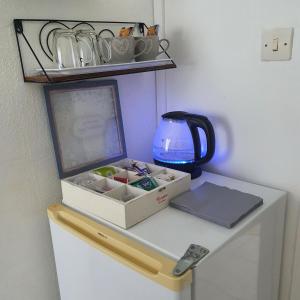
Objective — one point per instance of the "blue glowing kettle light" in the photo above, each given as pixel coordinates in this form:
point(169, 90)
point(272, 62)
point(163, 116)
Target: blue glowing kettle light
point(179, 142)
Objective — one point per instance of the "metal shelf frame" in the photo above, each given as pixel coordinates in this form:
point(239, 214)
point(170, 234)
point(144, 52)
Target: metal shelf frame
point(45, 50)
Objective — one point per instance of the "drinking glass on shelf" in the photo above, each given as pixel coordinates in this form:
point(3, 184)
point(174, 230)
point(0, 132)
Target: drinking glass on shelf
point(88, 48)
point(65, 49)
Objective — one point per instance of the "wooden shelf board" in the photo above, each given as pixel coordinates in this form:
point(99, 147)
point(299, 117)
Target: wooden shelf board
point(75, 77)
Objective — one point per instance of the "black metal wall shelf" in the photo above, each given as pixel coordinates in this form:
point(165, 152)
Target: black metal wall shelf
point(33, 37)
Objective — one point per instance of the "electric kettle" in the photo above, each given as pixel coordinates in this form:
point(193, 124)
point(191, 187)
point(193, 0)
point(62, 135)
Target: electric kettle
point(184, 142)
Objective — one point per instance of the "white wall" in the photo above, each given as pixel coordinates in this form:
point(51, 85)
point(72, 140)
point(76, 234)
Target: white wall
point(28, 175)
point(254, 105)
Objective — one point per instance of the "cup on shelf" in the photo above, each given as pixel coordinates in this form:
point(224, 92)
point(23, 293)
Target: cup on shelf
point(84, 48)
point(153, 45)
point(76, 48)
point(65, 49)
point(88, 48)
point(115, 50)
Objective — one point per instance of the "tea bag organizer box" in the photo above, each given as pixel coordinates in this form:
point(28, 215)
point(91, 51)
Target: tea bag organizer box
point(86, 123)
point(123, 204)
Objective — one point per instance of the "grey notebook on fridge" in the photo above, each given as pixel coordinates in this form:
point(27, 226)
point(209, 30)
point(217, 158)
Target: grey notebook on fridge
point(218, 204)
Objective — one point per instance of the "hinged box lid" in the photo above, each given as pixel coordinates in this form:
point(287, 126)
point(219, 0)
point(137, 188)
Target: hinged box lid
point(86, 125)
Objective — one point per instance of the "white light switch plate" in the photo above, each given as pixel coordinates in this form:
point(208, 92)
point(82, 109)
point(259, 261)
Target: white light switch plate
point(277, 44)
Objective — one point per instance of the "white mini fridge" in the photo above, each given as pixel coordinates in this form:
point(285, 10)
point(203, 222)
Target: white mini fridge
point(96, 260)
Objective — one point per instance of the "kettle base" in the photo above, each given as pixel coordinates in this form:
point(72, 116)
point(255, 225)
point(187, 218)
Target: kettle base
point(195, 171)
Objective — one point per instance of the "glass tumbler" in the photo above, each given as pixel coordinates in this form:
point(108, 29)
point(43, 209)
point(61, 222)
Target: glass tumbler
point(88, 48)
point(65, 49)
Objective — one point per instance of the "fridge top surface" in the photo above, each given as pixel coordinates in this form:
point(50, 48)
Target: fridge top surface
point(171, 231)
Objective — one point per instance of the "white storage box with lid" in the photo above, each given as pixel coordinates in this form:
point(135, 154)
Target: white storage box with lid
point(87, 131)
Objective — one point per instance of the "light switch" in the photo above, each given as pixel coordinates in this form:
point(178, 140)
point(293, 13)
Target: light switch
point(277, 44)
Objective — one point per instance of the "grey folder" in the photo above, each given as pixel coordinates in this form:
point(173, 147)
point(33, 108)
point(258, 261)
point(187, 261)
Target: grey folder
point(217, 204)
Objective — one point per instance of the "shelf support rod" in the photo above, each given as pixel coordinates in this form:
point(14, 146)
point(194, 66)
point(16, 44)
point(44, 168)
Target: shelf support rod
point(19, 30)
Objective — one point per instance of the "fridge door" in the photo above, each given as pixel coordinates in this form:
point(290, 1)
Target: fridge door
point(95, 262)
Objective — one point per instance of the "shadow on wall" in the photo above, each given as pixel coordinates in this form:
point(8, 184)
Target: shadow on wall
point(180, 41)
point(224, 139)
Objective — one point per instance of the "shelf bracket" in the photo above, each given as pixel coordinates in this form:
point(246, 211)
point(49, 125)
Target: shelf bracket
point(18, 26)
point(19, 30)
point(142, 28)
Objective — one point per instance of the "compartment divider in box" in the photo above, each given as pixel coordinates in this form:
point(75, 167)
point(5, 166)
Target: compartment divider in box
point(84, 178)
point(121, 192)
point(154, 168)
point(105, 185)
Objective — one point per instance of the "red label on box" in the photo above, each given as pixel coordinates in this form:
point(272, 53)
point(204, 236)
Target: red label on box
point(161, 199)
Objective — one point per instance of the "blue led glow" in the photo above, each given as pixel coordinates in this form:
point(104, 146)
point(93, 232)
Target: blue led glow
point(176, 162)
point(173, 143)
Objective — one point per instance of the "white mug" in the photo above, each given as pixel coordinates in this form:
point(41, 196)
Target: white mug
point(120, 49)
point(153, 44)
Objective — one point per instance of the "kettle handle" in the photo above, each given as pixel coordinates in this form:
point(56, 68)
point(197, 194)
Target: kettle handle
point(194, 122)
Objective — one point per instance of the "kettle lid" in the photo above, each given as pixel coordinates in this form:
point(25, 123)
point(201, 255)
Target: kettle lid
point(175, 115)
